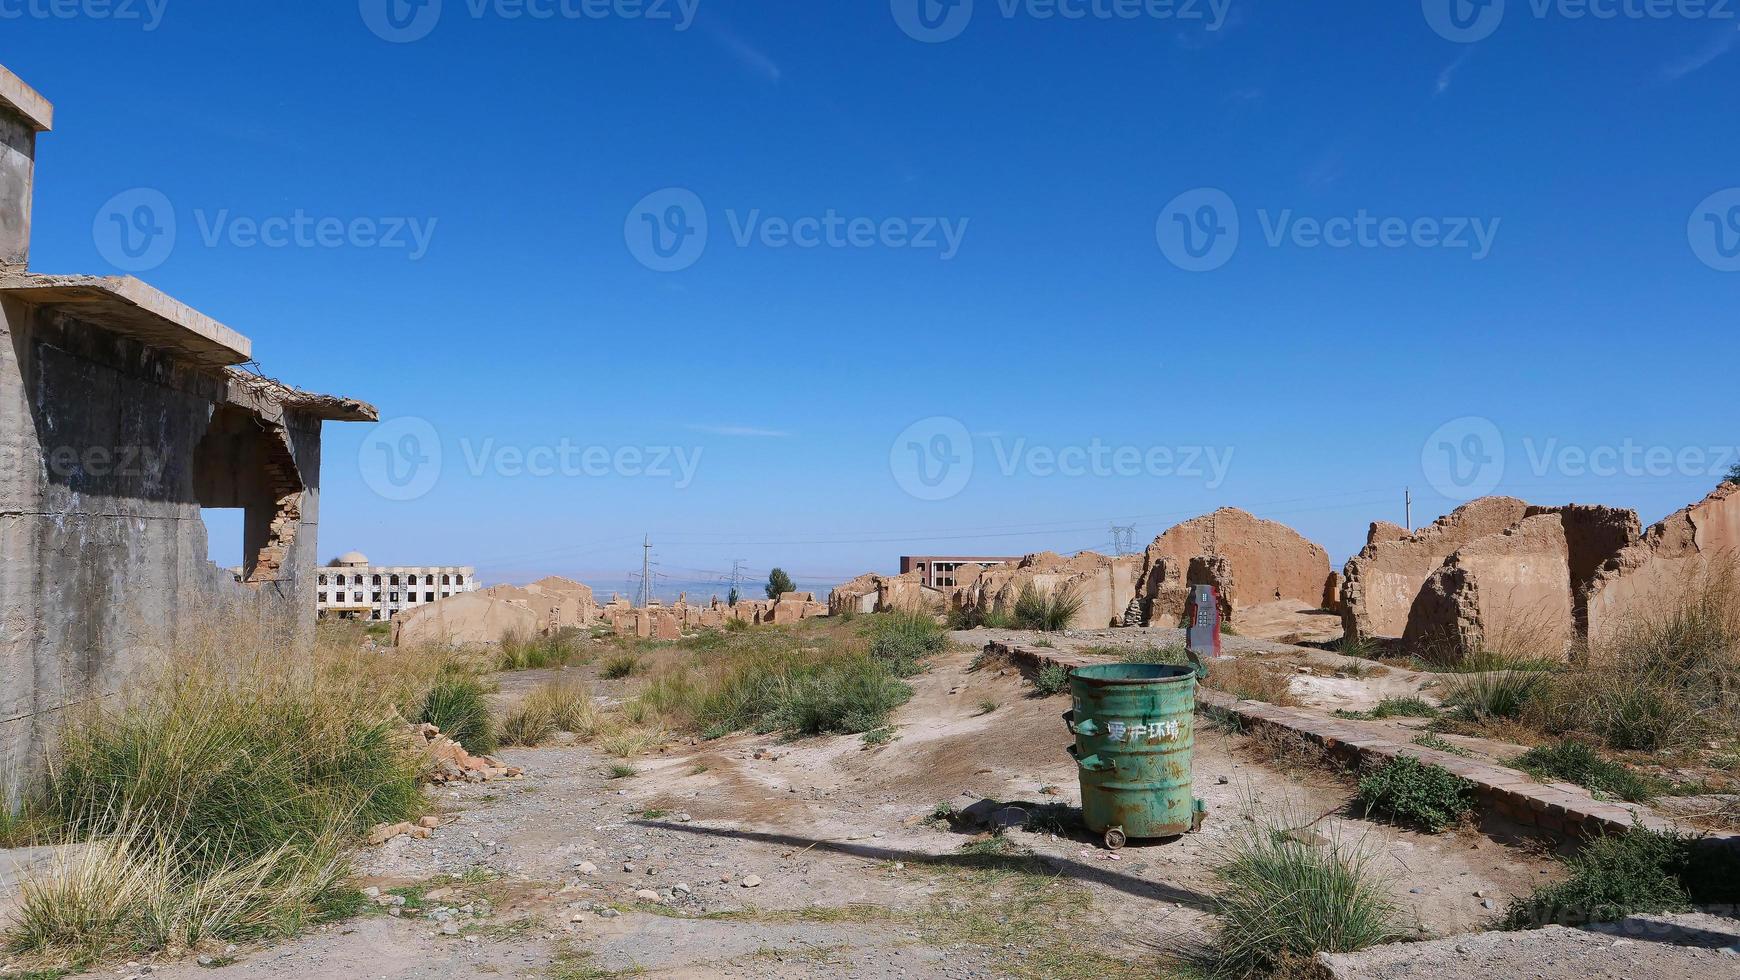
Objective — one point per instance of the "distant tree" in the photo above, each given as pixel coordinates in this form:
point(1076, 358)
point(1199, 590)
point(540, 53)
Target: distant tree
point(1734, 474)
point(731, 600)
point(779, 583)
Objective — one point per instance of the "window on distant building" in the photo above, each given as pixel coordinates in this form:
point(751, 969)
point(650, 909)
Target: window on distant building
point(428, 597)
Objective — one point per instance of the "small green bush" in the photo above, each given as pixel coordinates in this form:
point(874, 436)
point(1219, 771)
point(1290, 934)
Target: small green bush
point(457, 705)
point(521, 651)
point(904, 640)
point(1051, 679)
point(1506, 695)
point(1639, 872)
point(1404, 708)
point(619, 666)
point(1407, 790)
point(1172, 656)
point(1577, 762)
point(1285, 901)
point(1048, 612)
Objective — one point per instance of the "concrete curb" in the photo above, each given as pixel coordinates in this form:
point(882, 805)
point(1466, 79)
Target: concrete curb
point(1561, 808)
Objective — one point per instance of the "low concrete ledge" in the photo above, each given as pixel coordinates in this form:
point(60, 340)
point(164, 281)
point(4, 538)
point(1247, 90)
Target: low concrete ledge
point(1559, 807)
point(128, 306)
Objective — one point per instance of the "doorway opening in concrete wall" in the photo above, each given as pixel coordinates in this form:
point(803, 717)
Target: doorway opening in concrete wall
point(243, 463)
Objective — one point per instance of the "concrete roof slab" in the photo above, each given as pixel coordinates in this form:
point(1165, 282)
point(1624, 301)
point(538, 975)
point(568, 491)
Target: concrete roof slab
point(25, 101)
point(127, 306)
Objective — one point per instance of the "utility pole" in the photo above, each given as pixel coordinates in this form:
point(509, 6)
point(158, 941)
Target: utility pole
point(646, 579)
point(1408, 507)
point(1123, 539)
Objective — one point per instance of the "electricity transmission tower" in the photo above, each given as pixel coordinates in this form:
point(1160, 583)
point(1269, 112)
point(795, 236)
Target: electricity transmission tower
point(1123, 539)
point(646, 579)
point(737, 579)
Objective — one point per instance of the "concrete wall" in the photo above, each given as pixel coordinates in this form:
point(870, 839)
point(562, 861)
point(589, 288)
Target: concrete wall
point(107, 449)
point(17, 174)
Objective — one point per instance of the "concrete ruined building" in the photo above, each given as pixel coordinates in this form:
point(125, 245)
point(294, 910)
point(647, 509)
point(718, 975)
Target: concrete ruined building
point(1499, 575)
point(122, 414)
point(948, 571)
point(351, 588)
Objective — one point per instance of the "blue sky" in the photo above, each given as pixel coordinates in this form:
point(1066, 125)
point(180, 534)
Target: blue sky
point(1544, 298)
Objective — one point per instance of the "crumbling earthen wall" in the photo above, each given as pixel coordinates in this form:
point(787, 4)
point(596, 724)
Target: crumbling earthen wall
point(1508, 593)
point(1259, 561)
point(1381, 583)
point(465, 619)
point(1695, 548)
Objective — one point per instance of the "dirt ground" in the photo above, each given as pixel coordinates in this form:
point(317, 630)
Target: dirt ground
point(539, 876)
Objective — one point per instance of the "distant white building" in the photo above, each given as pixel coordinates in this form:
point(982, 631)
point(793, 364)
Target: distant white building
point(351, 588)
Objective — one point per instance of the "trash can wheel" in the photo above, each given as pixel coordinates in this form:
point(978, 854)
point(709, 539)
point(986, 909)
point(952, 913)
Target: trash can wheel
point(1114, 838)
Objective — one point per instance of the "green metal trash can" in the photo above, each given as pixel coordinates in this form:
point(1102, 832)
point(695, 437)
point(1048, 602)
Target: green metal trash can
point(1135, 727)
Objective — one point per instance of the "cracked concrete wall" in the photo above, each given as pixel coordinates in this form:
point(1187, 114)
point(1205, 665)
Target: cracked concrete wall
point(103, 555)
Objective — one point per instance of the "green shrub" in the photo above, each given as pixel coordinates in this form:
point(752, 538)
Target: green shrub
point(1171, 656)
point(457, 705)
point(1046, 611)
point(1051, 679)
point(521, 651)
point(1285, 901)
point(1407, 790)
point(619, 666)
point(904, 640)
point(1404, 708)
point(1636, 873)
point(1505, 695)
point(1576, 762)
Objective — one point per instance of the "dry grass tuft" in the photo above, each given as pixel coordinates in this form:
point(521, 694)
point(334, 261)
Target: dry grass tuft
point(1251, 681)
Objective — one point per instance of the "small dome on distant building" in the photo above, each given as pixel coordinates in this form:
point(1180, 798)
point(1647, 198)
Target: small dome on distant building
point(352, 559)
